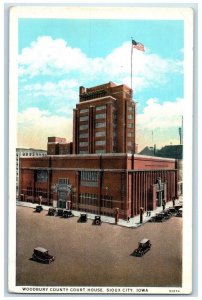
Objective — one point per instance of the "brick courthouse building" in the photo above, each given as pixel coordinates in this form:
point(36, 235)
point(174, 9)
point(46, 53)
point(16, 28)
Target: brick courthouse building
point(100, 171)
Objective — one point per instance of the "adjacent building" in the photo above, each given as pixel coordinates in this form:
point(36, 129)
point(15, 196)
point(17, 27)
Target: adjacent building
point(23, 152)
point(100, 172)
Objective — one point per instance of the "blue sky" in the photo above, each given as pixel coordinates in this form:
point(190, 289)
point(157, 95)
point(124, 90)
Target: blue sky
point(56, 56)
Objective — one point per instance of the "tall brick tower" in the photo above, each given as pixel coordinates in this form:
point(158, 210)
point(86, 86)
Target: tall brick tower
point(104, 120)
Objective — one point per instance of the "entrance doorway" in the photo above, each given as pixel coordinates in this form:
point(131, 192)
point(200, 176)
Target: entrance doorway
point(62, 198)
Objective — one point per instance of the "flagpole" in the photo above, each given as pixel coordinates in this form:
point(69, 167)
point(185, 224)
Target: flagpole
point(131, 67)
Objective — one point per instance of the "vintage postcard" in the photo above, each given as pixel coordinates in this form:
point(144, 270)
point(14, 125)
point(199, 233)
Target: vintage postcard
point(100, 150)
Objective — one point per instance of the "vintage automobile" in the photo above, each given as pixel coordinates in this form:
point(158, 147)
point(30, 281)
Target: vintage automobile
point(179, 213)
point(41, 255)
point(60, 212)
point(178, 206)
point(167, 215)
point(172, 210)
point(152, 219)
point(67, 213)
point(38, 208)
point(143, 246)
point(51, 211)
point(82, 218)
point(97, 220)
point(160, 217)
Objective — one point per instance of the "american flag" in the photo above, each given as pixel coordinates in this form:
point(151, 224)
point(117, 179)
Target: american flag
point(138, 45)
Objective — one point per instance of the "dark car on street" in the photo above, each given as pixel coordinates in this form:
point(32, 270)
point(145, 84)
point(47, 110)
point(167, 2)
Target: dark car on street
point(38, 208)
point(143, 246)
point(51, 211)
point(97, 220)
point(160, 217)
point(67, 213)
point(60, 212)
point(172, 210)
point(167, 214)
point(179, 213)
point(41, 255)
point(152, 219)
point(83, 218)
point(178, 206)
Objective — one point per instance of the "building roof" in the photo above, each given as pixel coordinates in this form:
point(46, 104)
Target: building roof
point(171, 151)
point(41, 249)
point(147, 151)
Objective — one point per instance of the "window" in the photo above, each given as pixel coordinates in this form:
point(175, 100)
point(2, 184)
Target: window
point(41, 176)
point(88, 199)
point(83, 152)
point(82, 127)
point(130, 143)
point(41, 192)
point(130, 117)
point(100, 107)
point(63, 181)
point(84, 110)
point(114, 142)
point(100, 143)
point(106, 201)
point(83, 144)
point(84, 118)
point(130, 134)
point(100, 151)
point(130, 125)
point(130, 108)
point(89, 175)
point(83, 135)
point(29, 191)
point(89, 178)
point(100, 125)
point(100, 133)
point(100, 116)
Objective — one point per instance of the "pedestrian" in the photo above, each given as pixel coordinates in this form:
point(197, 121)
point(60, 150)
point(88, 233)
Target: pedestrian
point(128, 219)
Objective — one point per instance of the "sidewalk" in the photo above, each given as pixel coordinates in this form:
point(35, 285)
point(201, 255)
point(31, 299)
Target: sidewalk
point(133, 223)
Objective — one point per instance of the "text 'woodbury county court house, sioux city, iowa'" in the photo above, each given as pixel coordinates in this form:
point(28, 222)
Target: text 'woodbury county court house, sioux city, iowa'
point(100, 172)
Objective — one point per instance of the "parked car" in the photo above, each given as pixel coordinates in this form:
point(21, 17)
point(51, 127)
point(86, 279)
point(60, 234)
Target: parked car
point(51, 211)
point(143, 246)
point(178, 206)
point(83, 218)
point(152, 219)
point(39, 208)
point(166, 214)
point(97, 220)
point(172, 210)
point(160, 217)
point(60, 212)
point(41, 254)
point(67, 213)
point(179, 213)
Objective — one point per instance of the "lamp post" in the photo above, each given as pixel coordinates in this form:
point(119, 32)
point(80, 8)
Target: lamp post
point(141, 214)
point(116, 212)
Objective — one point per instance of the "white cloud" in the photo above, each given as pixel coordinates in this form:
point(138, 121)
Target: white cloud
point(35, 126)
point(62, 88)
point(159, 123)
point(46, 56)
